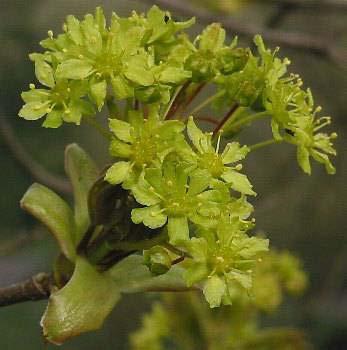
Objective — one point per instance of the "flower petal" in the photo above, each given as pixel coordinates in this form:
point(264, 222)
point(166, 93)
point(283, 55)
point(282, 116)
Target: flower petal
point(233, 153)
point(151, 216)
point(178, 229)
point(121, 129)
point(118, 172)
point(214, 290)
point(239, 182)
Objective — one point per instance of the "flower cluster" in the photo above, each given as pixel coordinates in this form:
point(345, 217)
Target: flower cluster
point(90, 56)
point(184, 180)
point(186, 185)
point(263, 85)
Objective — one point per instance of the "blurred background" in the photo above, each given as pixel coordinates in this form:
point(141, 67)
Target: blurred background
point(306, 215)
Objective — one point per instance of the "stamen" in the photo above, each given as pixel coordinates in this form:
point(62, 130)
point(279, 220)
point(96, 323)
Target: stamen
point(218, 141)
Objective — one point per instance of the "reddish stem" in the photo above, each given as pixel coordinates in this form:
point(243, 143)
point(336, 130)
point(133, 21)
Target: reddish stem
point(178, 260)
point(177, 101)
point(225, 119)
point(182, 102)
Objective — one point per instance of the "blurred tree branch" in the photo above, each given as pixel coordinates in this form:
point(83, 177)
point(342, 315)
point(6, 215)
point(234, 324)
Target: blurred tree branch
point(294, 40)
point(37, 287)
point(36, 170)
point(20, 240)
point(338, 4)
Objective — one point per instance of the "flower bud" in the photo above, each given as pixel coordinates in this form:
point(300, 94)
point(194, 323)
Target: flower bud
point(157, 259)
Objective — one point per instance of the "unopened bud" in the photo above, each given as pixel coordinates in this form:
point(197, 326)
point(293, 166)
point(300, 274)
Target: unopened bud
point(158, 260)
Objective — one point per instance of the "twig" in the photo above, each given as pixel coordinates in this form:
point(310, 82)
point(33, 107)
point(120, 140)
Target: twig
point(10, 246)
point(329, 4)
point(283, 9)
point(228, 115)
point(37, 287)
point(36, 170)
point(295, 40)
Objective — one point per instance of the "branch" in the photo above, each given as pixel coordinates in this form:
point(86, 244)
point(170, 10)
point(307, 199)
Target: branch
point(10, 246)
point(35, 169)
point(282, 10)
point(37, 287)
point(294, 40)
point(329, 4)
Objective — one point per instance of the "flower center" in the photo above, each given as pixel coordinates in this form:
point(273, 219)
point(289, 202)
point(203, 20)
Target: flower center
point(213, 163)
point(145, 151)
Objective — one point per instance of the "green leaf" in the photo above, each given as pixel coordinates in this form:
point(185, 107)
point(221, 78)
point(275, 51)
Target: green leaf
point(33, 110)
point(214, 290)
point(118, 172)
point(83, 173)
point(151, 216)
point(53, 212)
point(178, 229)
point(81, 306)
point(121, 129)
point(239, 182)
point(44, 73)
point(74, 69)
point(98, 92)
